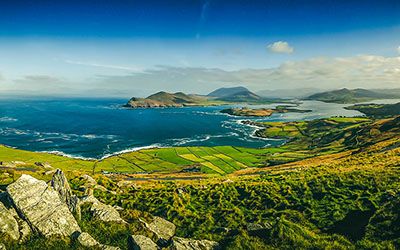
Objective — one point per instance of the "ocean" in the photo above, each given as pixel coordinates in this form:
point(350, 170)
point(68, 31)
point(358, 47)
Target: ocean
point(97, 128)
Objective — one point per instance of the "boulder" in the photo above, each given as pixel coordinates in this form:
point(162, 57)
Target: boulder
point(162, 230)
point(140, 242)
point(190, 244)
point(86, 240)
point(60, 183)
point(41, 206)
point(102, 211)
point(8, 224)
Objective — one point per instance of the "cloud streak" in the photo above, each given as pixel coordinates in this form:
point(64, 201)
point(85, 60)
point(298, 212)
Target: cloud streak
point(108, 66)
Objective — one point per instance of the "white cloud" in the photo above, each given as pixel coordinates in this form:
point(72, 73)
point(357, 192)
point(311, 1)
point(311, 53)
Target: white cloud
point(280, 47)
point(363, 71)
point(398, 49)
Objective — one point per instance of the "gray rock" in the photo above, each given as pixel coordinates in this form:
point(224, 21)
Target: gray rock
point(190, 244)
point(60, 183)
point(8, 224)
point(162, 230)
point(140, 242)
point(86, 240)
point(102, 211)
point(258, 229)
point(41, 206)
point(105, 212)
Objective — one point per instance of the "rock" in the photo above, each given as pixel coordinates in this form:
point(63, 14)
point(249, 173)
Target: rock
point(86, 240)
point(88, 179)
point(140, 242)
point(24, 231)
point(258, 229)
point(41, 206)
point(8, 224)
point(44, 165)
point(190, 244)
point(105, 212)
point(161, 229)
point(60, 183)
point(102, 211)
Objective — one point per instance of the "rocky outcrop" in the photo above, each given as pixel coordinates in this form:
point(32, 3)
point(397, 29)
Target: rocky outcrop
point(161, 230)
point(8, 224)
point(41, 207)
point(190, 244)
point(60, 184)
point(140, 242)
point(101, 211)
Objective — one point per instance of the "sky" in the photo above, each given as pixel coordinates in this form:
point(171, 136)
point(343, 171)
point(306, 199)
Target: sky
point(134, 48)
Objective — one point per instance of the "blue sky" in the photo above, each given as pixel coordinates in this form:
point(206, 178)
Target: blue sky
point(126, 48)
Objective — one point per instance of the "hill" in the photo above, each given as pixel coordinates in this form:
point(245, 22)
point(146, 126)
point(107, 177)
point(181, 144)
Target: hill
point(163, 99)
point(222, 92)
point(236, 94)
point(349, 96)
point(377, 110)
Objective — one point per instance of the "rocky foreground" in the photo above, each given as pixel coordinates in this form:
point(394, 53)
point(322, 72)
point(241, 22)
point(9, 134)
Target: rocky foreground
point(32, 207)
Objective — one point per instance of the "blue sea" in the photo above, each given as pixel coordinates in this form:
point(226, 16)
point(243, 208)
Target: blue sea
point(97, 128)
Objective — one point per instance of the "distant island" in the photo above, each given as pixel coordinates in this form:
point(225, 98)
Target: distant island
point(218, 97)
point(345, 95)
point(262, 112)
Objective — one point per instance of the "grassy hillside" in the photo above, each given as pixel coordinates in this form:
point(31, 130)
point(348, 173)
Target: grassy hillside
point(377, 110)
point(349, 96)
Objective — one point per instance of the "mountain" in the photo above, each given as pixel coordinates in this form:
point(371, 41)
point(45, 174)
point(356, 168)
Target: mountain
point(222, 92)
point(349, 96)
point(235, 94)
point(297, 93)
point(163, 99)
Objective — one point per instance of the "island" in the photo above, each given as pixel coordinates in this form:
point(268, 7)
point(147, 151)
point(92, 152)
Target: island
point(262, 112)
point(222, 96)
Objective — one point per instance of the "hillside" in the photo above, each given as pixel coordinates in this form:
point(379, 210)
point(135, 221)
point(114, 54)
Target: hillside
point(377, 110)
point(163, 99)
point(349, 96)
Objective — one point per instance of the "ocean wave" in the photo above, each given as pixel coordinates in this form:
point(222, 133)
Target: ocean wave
point(128, 150)
point(53, 135)
point(8, 119)
point(60, 153)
